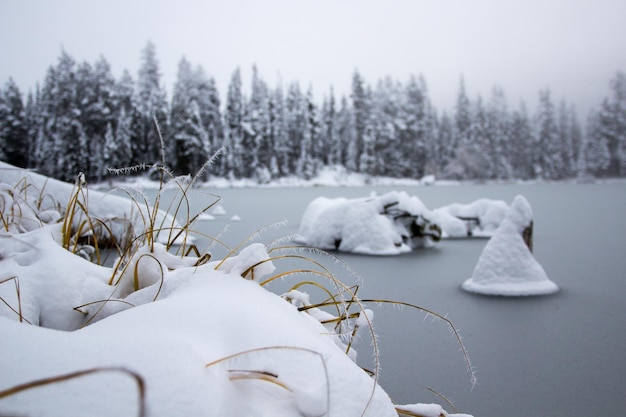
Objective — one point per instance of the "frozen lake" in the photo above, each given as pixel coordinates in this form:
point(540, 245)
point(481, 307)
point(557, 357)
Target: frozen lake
point(558, 355)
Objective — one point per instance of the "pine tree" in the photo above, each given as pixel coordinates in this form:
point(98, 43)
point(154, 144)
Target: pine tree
point(415, 139)
point(547, 157)
point(278, 133)
point(121, 154)
point(445, 141)
point(195, 126)
point(570, 137)
point(295, 121)
point(361, 111)
point(462, 116)
point(597, 158)
point(330, 131)
point(96, 95)
point(209, 105)
point(309, 156)
point(498, 139)
point(345, 131)
point(521, 144)
point(612, 120)
point(151, 105)
point(232, 165)
point(128, 126)
point(14, 142)
point(387, 101)
point(259, 147)
point(33, 121)
point(62, 145)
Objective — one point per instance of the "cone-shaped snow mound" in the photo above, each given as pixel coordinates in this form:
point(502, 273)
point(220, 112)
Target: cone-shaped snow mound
point(507, 266)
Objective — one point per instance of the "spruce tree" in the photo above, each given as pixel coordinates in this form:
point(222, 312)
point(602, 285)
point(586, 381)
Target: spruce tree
point(151, 105)
point(14, 143)
point(548, 158)
point(521, 144)
point(232, 164)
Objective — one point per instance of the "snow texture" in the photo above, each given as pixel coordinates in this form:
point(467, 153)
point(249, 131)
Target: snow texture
point(507, 266)
point(376, 225)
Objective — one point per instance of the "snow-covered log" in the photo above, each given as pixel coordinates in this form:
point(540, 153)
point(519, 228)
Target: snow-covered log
point(388, 224)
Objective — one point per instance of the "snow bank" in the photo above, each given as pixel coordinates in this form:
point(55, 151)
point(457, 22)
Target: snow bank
point(285, 362)
point(507, 266)
point(166, 335)
point(389, 224)
point(479, 218)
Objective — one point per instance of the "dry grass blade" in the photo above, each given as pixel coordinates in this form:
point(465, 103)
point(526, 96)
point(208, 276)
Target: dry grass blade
point(443, 397)
point(251, 237)
point(455, 333)
point(79, 308)
point(141, 390)
point(16, 281)
point(404, 412)
point(272, 376)
point(238, 375)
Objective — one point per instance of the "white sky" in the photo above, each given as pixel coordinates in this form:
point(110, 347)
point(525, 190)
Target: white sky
point(572, 46)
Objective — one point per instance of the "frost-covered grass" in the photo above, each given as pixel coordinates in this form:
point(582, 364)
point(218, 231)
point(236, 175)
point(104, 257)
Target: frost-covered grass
point(166, 329)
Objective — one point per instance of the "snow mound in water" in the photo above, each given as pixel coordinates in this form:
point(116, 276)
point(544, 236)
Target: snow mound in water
point(507, 266)
point(479, 218)
point(388, 224)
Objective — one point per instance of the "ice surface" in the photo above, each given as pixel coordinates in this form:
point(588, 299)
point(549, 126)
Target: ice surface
point(507, 266)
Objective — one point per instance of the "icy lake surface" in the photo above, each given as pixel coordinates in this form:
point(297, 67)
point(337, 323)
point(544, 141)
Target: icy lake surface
point(557, 355)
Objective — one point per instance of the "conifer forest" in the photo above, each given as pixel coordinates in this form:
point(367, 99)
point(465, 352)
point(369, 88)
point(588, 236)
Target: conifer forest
point(82, 119)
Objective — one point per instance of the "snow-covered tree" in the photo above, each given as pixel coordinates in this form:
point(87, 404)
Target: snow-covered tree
point(612, 124)
point(498, 138)
point(330, 131)
point(570, 137)
point(278, 132)
point(462, 116)
point(597, 157)
point(151, 104)
point(186, 148)
point(128, 126)
point(258, 144)
point(361, 108)
point(295, 122)
point(232, 164)
point(521, 144)
point(308, 161)
point(548, 159)
point(14, 142)
point(62, 147)
point(345, 130)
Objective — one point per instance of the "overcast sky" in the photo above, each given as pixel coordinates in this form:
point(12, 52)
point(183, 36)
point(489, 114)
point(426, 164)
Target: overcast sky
point(574, 47)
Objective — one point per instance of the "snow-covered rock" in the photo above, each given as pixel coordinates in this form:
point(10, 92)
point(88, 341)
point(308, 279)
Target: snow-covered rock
point(389, 224)
point(507, 266)
point(479, 218)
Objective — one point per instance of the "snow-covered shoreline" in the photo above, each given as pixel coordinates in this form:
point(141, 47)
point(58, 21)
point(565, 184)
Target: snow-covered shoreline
point(204, 338)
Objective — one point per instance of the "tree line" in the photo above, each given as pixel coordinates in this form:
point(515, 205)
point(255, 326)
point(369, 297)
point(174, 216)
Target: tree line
point(81, 119)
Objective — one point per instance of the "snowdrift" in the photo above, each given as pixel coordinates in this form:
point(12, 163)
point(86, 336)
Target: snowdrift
point(507, 266)
point(389, 224)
